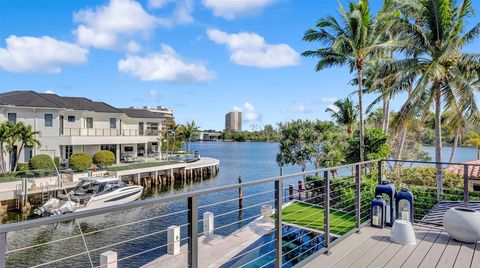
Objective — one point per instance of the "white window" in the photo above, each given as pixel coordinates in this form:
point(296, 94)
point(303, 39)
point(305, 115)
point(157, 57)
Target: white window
point(48, 120)
point(89, 122)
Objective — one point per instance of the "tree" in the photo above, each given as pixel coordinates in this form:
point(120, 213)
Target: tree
point(350, 42)
point(190, 130)
point(376, 146)
point(345, 113)
point(322, 133)
point(433, 40)
point(27, 138)
point(473, 138)
point(295, 144)
point(6, 130)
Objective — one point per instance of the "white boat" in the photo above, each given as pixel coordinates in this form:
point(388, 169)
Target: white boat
point(91, 193)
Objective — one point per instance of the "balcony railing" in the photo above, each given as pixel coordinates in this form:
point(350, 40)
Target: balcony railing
point(107, 132)
point(331, 206)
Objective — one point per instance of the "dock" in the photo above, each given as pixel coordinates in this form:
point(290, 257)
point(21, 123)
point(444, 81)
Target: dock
point(217, 250)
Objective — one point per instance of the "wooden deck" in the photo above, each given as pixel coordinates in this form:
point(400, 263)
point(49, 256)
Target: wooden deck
point(372, 248)
point(435, 215)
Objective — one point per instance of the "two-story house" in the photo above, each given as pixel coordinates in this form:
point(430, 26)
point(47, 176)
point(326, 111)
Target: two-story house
point(75, 124)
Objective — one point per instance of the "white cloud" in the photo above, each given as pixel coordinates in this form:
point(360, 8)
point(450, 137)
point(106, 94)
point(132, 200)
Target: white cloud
point(133, 47)
point(328, 102)
point(50, 92)
point(250, 114)
point(302, 108)
point(230, 9)
point(166, 65)
point(250, 49)
point(236, 109)
point(104, 26)
point(39, 54)
point(182, 14)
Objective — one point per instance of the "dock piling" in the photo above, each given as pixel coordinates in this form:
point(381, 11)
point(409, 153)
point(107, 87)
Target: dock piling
point(108, 259)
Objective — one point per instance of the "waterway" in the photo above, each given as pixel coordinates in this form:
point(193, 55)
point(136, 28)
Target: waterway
point(251, 161)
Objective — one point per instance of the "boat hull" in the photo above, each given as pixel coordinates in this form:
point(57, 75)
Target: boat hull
point(118, 197)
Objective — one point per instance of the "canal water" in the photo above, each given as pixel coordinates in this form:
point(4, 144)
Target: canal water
point(144, 227)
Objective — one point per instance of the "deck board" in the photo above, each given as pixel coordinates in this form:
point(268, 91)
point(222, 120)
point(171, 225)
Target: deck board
point(449, 254)
point(436, 251)
point(476, 256)
point(422, 249)
point(464, 257)
point(373, 248)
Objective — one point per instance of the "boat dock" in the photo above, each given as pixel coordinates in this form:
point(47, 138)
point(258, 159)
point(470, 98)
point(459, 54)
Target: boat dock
point(213, 255)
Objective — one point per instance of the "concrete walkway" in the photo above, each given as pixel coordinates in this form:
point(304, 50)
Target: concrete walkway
point(217, 250)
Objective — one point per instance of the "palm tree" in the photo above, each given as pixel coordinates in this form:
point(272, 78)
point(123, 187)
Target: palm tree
point(473, 138)
point(344, 113)
point(295, 144)
point(352, 42)
point(190, 130)
point(6, 129)
point(27, 138)
point(433, 42)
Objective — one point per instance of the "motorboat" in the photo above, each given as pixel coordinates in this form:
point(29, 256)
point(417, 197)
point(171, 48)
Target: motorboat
point(91, 193)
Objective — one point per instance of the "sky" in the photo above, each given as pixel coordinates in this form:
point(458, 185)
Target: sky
point(202, 58)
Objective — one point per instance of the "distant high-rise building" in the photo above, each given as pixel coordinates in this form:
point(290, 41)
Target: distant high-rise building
point(233, 121)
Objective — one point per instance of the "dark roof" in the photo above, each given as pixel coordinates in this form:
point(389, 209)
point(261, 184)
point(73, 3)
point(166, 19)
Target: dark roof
point(139, 113)
point(47, 100)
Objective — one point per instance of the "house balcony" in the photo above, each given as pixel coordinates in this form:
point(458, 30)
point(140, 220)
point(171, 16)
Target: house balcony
point(324, 222)
point(101, 132)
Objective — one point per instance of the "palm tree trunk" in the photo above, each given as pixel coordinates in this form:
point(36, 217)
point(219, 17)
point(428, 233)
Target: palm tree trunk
point(438, 140)
point(401, 144)
point(2, 152)
point(387, 115)
point(384, 114)
point(360, 108)
point(455, 144)
point(18, 156)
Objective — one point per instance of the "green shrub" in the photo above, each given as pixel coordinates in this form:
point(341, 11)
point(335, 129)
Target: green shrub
point(41, 161)
point(80, 161)
point(22, 167)
point(104, 158)
point(56, 160)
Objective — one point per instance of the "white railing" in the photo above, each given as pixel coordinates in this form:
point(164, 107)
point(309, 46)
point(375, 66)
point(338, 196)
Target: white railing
point(106, 132)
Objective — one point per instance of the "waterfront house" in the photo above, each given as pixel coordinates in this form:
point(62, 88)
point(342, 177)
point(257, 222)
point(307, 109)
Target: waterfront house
point(77, 124)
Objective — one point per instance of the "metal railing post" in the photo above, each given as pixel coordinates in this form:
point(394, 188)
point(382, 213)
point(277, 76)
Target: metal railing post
point(278, 223)
point(466, 197)
point(193, 232)
point(358, 188)
point(326, 212)
point(3, 249)
point(379, 171)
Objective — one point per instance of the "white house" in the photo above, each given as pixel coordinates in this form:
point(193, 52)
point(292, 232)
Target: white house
point(75, 124)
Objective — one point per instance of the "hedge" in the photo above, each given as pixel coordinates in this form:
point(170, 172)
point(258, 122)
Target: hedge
point(104, 158)
point(56, 160)
point(41, 161)
point(80, 161)
point(23, 167)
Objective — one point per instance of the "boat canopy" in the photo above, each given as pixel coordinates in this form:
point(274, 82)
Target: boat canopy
point(99, 179)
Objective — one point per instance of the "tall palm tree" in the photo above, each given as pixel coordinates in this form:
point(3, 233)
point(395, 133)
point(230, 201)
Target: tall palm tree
point(352, 42)
point(27, 138)
point(435, 34)
point(473, 138)
point(190, 130)
point(344, 113)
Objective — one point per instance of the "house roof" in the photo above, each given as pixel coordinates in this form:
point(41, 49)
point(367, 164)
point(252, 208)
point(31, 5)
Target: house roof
point(47, 100)
point(139, 113)
point(473, 171)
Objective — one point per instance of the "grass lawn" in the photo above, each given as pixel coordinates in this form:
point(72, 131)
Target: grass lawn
point(311, 216)
point(140, 165)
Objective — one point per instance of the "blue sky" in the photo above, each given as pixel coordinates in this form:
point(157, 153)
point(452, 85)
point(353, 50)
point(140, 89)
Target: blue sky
point(202, 58)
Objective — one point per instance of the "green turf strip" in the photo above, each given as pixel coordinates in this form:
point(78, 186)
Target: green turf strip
point(311, 216)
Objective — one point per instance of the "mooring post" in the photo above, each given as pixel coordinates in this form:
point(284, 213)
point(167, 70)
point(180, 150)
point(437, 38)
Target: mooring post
point(291, 190)
point(173, 240)
point(240, 193)
point(108, 259)
point(208, 223)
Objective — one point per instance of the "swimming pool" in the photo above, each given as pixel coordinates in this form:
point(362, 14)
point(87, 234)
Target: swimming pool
point(297, 244)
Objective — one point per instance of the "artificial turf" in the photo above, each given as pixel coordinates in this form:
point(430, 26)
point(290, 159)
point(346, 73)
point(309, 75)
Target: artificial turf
point(312, 216)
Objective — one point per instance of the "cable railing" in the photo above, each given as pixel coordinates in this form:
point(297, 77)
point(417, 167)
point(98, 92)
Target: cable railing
point(275, 224)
